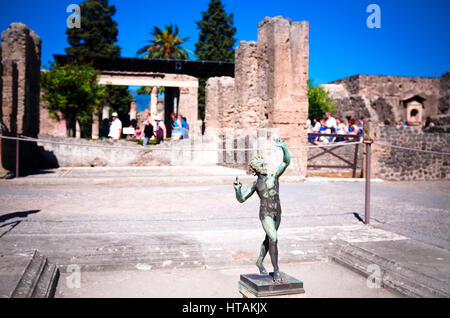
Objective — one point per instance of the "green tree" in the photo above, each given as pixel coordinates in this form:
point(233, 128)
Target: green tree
point(98, 31)
point(165, 45)
point(73, 90)
point(319, 102)
point(216, 41)
point(96, 37)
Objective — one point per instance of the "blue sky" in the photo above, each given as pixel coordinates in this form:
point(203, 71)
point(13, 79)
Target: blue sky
point(414, 38)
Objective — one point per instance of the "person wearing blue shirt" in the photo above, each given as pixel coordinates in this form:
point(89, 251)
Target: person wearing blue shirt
point(184, 127)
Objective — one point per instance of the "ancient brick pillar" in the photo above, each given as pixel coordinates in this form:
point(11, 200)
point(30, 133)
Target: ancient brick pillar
point(104, 131)
point(212, 106)
point(133, 113)
point(229, 116)
point(21, 60)
point(154, 102)
point(283, 51)
point(219, 97)
point(188, 107)
point(246, 94)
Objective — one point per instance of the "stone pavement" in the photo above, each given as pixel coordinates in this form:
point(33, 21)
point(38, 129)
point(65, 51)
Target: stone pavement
point(181, 218)
point(321, 279)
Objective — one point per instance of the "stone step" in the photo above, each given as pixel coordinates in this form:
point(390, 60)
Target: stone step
point(47, 283)
point(38, 280)
point(393, 275)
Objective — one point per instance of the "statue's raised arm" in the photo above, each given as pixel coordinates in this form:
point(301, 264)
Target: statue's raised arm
point(286, 157)
point(242, 197)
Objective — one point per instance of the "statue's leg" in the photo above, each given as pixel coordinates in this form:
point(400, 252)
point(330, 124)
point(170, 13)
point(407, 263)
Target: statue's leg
point(269, 226)
point(262, 255)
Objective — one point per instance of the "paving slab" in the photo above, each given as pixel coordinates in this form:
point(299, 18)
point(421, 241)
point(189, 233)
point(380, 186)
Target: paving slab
point(131, 221)
point(12, 267)
point(323, 279)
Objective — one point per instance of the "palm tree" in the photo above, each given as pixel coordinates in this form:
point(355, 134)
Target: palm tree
point(165, 45)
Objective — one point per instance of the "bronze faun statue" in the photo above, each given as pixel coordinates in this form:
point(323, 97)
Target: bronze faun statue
point(267, 188)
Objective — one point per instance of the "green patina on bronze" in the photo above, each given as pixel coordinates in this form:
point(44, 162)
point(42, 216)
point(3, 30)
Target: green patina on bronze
point(267, 188)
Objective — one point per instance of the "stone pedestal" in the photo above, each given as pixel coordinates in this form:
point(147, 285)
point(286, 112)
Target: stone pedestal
point(263, 286)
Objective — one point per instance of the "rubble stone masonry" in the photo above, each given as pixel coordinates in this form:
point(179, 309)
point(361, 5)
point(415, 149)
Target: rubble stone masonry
point(20, 90)
point(405, 165)
point(269, 89)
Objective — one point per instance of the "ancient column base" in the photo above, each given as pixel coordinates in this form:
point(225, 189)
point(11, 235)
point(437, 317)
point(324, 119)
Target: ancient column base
point(263, 286)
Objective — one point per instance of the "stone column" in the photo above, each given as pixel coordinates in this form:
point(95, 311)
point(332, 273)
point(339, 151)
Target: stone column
point(21, 60)
point(20, 71)
point(229, 117)
point(105, 121)
point(283, 51)
point(153, 102)
point(246, 94)
point(77, 129)
point(188, 107)
point(212, 106)
point(133, 113)
point(95, 123)
point(219, 98)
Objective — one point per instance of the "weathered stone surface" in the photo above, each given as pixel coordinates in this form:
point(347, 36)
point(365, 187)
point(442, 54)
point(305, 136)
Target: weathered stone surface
point(247, 100)
point(188, 107)
point(444, 94)
point(269, 89)
point(399, 164)
point(283, 48)
point(20, 78)
point(21, 59)
point(220, 112)
point(382, 97)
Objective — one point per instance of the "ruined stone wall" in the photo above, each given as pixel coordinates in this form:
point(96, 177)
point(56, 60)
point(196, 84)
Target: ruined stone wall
point(188, 107)
point(380, 97)
point(442, 119)
point(50, 126)
point(21, 52)
point(399, 165)
point(247, 99)
point(72, 152)
point(21, 59)
point(47, 124)
point(283, 50)
point(219, 97)
point(269, 88)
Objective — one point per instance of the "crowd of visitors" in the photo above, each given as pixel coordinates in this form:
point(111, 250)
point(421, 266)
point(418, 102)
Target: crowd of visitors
point(151, 128)
point(331, 125)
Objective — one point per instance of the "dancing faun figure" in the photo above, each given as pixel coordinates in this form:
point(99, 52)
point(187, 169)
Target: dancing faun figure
point(267, 188)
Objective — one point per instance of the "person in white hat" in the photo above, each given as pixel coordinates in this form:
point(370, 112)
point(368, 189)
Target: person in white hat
point(115, 130)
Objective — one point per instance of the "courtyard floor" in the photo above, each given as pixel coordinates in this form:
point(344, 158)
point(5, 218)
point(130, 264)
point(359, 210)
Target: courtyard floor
point(162, 225)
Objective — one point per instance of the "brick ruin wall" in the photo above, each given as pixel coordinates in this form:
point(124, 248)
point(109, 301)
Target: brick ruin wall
point(269, 89)
point(380, 97)
point(20, 85)
point(404, 165)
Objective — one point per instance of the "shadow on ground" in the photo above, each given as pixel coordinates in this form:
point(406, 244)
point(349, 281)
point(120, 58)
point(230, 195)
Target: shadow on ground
point(13, 224)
